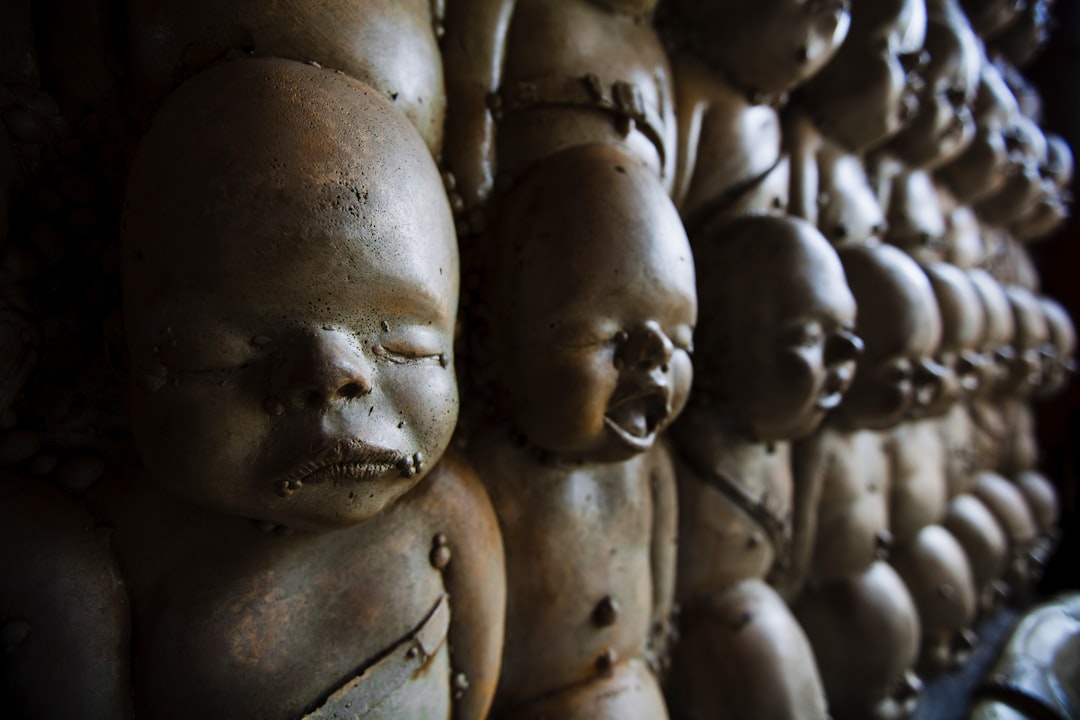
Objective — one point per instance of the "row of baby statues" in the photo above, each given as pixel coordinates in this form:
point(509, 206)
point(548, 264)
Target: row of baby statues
point(342, 211)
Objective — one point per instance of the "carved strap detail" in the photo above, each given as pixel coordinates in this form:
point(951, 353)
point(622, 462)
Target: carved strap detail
point(377, 681)
point(773, 523)
point(621, 99)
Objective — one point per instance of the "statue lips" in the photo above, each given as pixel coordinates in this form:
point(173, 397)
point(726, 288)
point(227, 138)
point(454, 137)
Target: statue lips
point(347, 459)
point(832, 393)
point(635, 417)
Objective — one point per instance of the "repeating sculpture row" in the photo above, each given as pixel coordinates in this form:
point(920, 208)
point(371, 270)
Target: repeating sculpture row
point(579, 359)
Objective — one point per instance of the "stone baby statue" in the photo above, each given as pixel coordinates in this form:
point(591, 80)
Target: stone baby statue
point(863, 96)
point(982, 169)
point(775, 351)
point(295, 546)
point(734, 62)
point(1058, 366)
point(991, 435)
point(591, 297)
point(858, 614)
point(917, 208)
point(1017, 451)
point(526, 78)
point(932, 563)
point(391, 45)
point(1060, 363)
point(1052, 208)
point(966, 320)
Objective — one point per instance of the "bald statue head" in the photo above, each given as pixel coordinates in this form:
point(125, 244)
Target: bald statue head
point(1060, 365)
point(962, 327)
point(901, 326)
point(1000, 327)
point(290, 288)
point(775, 347)
point(592, 305)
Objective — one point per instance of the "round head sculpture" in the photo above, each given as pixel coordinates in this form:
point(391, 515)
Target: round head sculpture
point(980, 170)
point(1060, 364)
point(290, 289)
point(944, 125)
point(766, 47)
point(1052, 207)
point(592, 306)
point(963, 324)
point(1029, 343)
point(1027, 34)
point(999, 327)
point(775, 345)
point(1026, 146)
point(868, 91)
point(901, 326)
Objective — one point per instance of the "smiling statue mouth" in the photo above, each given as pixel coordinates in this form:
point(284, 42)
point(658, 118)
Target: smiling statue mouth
point(635, 420)
point(348, 460)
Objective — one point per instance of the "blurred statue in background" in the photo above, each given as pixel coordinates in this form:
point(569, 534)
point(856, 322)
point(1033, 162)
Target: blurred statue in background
point(775, 351)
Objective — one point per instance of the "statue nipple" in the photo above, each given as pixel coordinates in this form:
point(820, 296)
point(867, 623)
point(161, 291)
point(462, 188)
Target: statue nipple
point(606, 612)
point(440, 552)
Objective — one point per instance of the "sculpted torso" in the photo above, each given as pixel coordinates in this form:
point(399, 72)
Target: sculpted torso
point(580, 597)
point(919, 491)
point(733, 515)
point(547, 103)
point(741, 649)
point(957, 437)
point(830, 186)
point(852, 523)
point(234, 620)
point(730, 157)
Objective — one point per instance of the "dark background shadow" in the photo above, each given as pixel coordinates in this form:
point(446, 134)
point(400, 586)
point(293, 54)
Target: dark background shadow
point(1056, 72)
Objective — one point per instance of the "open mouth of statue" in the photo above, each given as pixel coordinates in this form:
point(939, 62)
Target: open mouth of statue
point(829, 400)
point(347, 460)
point(635, 420)
point(836, 384)
point(925, 396)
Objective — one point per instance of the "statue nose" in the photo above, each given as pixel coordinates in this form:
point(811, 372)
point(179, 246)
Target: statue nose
point(967, 367)
point(842, 347)
point(929, 378)
point(646, 348)
point(326, 367)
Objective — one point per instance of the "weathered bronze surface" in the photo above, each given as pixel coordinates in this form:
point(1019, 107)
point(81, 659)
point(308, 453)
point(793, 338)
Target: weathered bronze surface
point(623, 359)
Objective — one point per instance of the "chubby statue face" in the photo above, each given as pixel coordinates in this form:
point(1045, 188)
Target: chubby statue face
point(1030, 344)
point(808, 364)
point(886, 390)
point(595, 335)
point(777, 345)
point(980, 170)
point(944, 125)
point(291, 316)
point(999, 330)
point(958, 359)
point(869, 90)
point(901, 324)
point(600, 378)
